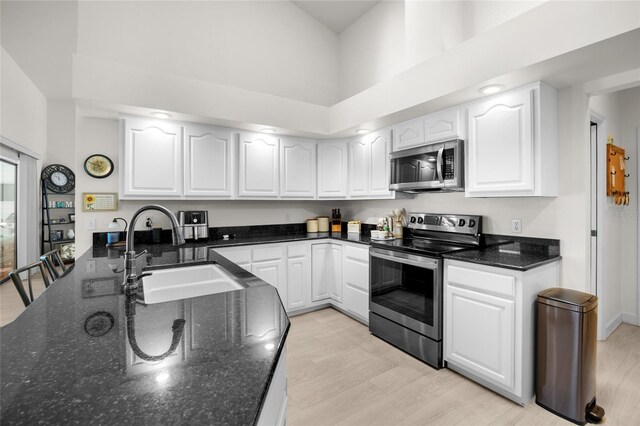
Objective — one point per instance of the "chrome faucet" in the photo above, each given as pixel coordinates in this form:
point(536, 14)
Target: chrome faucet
point(130, 278)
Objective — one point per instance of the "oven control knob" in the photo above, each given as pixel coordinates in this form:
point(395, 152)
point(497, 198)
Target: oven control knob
point(413, 219)
point(420, 220)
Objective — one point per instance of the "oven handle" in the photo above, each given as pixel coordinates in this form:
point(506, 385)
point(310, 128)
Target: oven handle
point(439, 165)
point(424, 262)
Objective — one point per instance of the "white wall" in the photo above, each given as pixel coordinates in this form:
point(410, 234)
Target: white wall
point(61, 134)
point(23, 116)
point(102, 136)
point(270, 47)
point(396, 35)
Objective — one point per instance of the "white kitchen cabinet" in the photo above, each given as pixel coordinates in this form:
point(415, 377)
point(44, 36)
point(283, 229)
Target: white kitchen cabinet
point(369, 165)
point(335, 272)
point(274, 407)
point(489, 315)
point(359, 167)
point(513, 144)
point(259, 165)
point(241, 256)
point(355, 280)
point(207, 161)
point(269, 264)
point(320, 261)
point(444, 125)
point(297, 168)
point(152, 159)
point(298, 276)
point(408, 134)
point(332, 169)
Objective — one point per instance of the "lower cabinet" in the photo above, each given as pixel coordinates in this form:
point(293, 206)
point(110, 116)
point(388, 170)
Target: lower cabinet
point(489, 324)
point(308, 274)
point(274, 407)
point(355, 280)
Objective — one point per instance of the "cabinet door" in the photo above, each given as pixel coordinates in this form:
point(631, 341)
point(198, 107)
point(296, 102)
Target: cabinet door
point(359, 164)
point(241, 256)
point(408, 134)
point(500, 154)
point(320, 258)
point(297, 168)
point(259, 165)
point(298, 276)
point(273, 272)
point(355, 279)
point(207, 161)
point(335, 272)
point(479, 334)
point(332, 169)
point(152, 163)
point(380, 146)
point(442, 126)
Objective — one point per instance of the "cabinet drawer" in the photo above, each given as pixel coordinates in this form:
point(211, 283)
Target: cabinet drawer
point(238, 256)
point(357, 253)
point(262, 254)
point(486, 282)
point(297, 251)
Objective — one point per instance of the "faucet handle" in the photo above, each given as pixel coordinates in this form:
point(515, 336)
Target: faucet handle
point(141, 253)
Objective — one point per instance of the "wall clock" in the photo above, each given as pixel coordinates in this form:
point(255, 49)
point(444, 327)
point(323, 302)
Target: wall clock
point(58, 178)
point(98, 166)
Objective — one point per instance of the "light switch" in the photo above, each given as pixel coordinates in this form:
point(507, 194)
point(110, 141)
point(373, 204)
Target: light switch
point(90, 223)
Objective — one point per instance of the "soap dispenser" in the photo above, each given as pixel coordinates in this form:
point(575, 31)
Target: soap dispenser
point(113, 236)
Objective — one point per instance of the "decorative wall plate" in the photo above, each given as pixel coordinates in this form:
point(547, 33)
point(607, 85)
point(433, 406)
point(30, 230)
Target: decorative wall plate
point(98, 166)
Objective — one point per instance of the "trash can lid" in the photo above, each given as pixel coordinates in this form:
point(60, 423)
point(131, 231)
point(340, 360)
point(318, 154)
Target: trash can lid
point(568, 299)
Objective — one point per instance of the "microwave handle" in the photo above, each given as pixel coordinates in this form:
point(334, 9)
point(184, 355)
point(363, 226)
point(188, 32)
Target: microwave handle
point(439, 165)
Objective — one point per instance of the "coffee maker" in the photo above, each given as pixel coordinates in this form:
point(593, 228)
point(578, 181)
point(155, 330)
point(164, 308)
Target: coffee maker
point(194, 224)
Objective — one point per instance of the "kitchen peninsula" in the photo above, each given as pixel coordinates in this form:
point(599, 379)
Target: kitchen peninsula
point(67, 358)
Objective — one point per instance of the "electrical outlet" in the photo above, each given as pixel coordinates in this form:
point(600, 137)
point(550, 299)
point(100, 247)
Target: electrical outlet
point(90, 223)
point(516, 225)
point(287, 218)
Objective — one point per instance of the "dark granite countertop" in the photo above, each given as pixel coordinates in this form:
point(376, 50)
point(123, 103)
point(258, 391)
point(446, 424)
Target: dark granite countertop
point(62, 362)
point(516, 253)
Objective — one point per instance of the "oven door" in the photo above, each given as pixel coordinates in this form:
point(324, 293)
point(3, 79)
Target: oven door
point(407, 289)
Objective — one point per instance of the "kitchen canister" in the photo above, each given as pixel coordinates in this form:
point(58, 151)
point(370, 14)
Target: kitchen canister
point(312, 226)
point(323, 223)
point(397, 229)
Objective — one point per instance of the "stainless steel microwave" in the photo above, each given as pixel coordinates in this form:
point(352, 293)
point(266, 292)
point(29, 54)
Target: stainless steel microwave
point(435, 166)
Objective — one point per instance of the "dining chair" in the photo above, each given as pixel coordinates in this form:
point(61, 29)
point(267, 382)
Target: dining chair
point(17, 281)
point(50, 259)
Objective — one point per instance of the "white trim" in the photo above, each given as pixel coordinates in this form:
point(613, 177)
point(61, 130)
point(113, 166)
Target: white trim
point(638, 227)
point(600, 192)
point(612, 325)
point(628, 318)
point(21, 149)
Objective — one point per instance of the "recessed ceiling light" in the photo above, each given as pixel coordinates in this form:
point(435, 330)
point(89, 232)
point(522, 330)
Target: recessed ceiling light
point(159, 114)
point(491, 89)
point(268, 130)
point(362, 131)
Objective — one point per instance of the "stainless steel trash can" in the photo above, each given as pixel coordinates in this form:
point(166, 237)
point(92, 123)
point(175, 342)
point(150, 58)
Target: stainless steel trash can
point(566, 354)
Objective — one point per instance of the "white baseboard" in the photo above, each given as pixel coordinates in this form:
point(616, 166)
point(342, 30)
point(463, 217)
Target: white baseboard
point(612, 325)
point(628, 318)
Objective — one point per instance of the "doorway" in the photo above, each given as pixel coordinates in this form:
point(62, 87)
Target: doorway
point(597, 147)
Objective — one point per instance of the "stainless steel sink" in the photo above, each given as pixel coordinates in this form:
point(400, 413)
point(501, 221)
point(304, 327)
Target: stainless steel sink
point(164, 285)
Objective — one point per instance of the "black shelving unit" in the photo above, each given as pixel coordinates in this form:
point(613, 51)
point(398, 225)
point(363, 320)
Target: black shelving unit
point(46, 244)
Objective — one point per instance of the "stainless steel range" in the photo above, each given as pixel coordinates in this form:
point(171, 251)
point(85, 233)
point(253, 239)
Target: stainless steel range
point(405, 305)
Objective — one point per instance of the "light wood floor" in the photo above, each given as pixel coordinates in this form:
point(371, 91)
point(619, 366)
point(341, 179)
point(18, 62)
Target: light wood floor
point(338, 373)
point(10, 303)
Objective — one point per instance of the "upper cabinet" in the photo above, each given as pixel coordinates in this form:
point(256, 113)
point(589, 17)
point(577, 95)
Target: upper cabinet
point(332, 169)
point(207, 161)
point(439, 126)
point(152, 159)
point(259, 158)
point(297, 168)
point(513, 144)
point(369, 165)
